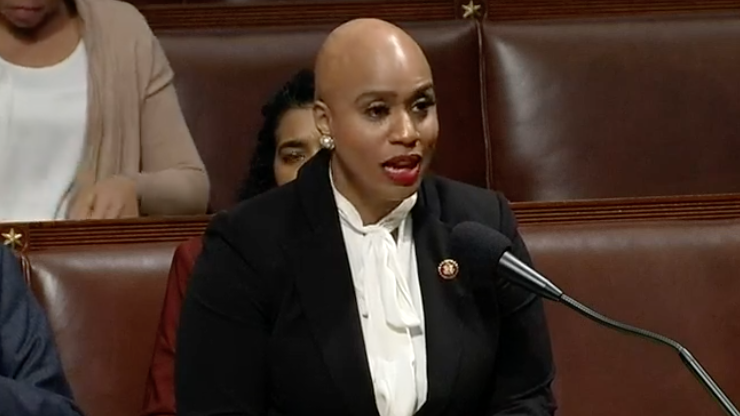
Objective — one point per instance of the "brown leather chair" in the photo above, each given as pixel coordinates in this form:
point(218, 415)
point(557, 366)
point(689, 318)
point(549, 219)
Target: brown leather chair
point(680, 279)
point(613, 108)
point(103, 304)
point(223, 77)
point(554, 110)
point(677, 278)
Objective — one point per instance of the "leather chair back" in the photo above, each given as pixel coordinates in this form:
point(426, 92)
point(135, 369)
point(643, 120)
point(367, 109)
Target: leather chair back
point(680, 279)
point(613, 108)
point(103, 304)
point(223, 78)
point(676, 278)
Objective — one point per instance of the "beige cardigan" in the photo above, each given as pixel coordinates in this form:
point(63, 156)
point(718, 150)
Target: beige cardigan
point(135, 126)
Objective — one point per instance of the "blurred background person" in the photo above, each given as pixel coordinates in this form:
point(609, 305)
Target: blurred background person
point(287, 139)
point(90, 124)
point(32, 382)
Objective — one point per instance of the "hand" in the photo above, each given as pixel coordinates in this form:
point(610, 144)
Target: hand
point(111, 198)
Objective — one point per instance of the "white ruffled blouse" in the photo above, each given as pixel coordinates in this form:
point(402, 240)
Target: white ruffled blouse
point(386, 281)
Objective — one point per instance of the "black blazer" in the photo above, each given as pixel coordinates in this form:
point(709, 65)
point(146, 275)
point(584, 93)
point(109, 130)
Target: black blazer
point(270, 325)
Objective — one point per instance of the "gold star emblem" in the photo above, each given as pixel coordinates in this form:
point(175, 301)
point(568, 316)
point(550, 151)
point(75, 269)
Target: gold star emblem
point(470, 10)
point(12, 238)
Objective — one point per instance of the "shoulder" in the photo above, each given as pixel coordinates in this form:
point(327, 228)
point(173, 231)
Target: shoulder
point(458, 201)
point(184, 257)
point(189, 248)
point(118, 25)
point(242, 254)
point(117, 15)
point(120, 41)
point(14, 291)
point(10, 267)
point(258, 224)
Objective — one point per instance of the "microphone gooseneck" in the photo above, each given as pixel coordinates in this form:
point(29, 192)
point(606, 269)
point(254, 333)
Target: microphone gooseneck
point(482, 248)
point(686, 357)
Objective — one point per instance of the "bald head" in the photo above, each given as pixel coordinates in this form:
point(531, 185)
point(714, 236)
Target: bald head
point(360, 48)
point(376, 100)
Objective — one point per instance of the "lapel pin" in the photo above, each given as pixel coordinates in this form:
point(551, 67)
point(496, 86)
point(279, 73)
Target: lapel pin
point(448, 269)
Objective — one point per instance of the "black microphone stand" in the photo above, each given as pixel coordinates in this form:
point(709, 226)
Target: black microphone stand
point(531, 280)
point(688, 359)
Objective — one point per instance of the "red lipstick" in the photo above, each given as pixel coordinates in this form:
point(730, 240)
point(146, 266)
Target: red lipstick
point(403, 170)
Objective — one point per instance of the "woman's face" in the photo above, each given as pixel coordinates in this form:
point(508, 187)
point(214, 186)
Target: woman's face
point(384, 123)
point(27, 15)
point(297, 140)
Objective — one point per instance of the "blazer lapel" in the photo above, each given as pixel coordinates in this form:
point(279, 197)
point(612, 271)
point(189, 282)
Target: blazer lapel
point(326, 291)
point(442, 300)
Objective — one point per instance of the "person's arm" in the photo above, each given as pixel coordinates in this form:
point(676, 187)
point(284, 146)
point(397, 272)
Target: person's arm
point(159, 395)
point(525, 368)
point(221, 361)
point(32, 382)
point(173, 180)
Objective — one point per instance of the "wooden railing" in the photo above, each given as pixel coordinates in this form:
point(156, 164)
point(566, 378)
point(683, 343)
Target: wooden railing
point(44, 235)
point(686, 207)
point(216, 14)
point(504, 10)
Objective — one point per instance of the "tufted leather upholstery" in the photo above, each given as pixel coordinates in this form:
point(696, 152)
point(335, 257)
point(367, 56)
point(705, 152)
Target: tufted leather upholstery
point(104, 303)
point(613, 108)
point(539, 110)
point(224, 77)
point(676, 278)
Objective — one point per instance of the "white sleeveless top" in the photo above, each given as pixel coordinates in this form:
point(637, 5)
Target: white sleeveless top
point(43, 115)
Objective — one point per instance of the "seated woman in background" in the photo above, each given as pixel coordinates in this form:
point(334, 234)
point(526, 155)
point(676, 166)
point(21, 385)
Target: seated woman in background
point(90, 125)
point(335, 294)
point(287, 139)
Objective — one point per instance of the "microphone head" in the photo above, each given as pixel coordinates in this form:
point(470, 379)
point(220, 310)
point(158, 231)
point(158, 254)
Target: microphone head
point(476, 247)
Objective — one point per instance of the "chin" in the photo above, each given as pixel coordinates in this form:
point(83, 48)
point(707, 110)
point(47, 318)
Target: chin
point(25, 27)
point(399, 193)
point(25, 23)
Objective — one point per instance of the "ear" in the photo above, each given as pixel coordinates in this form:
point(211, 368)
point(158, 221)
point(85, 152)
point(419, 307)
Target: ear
point(322, 117)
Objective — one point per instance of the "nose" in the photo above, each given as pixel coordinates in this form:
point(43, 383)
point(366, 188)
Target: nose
point(405, 131)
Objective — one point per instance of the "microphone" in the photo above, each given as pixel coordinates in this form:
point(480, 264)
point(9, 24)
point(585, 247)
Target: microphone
point(480, 248)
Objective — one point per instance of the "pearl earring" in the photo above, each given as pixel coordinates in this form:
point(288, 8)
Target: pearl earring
point(326, 142)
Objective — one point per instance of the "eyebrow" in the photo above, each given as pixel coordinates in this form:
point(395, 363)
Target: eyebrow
point(294, 143)
point(424, 88)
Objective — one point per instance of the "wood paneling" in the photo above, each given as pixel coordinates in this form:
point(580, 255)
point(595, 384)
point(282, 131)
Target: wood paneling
point(209, 13)
point(294, 14)
point(40, 236)
point(686, 207)
point(503, 10)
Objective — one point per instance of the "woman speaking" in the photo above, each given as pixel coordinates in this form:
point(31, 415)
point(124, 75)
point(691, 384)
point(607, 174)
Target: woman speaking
point(335, 294)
